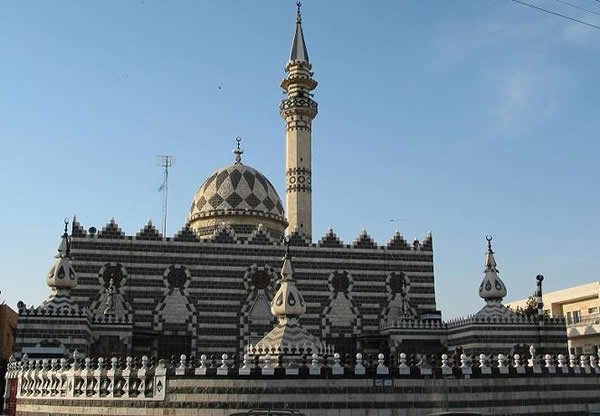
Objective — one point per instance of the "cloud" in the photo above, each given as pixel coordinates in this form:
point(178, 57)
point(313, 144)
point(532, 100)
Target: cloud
point(528, 96)
point(516, 95)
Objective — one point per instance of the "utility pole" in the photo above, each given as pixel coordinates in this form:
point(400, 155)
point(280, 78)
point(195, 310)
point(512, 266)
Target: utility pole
point(165, 161)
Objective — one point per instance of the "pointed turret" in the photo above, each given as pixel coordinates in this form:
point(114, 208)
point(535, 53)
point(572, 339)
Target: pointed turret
point(287, 302)
point(298, 110)
point(61, 275)
point(492, 288)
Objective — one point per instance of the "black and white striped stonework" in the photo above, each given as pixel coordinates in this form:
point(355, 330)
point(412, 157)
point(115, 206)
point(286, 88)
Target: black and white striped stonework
point(501, 335)
point(559, 392)
point(218, 288)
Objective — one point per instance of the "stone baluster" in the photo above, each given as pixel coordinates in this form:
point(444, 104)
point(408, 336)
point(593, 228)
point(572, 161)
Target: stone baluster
point(112, 379)
point(150, 380)
point(446, 369)
point(267, 368)
point(549, 364)
point(26, 389)
point(33, 365)
point(502, 364)
point(64, 377)
point(39, 377)
point(74, 389)
point(71, 380)
point(223, 369)
point(594, 364)
point(562, 364)
point(519, 369)
point(52, 378)
point(201, 369)
point(403, 369)
point(315, 366)
point(382, 369)
point(583, 363)
point(337, 369)
point(23, 377)
point(141, 375)
point(99, 376)
point(534, 361)
point(47, 374)
point(86, 376)
point(180, 370)
point(126, 374)
point(573, 364)
point(23, 365)
point(359, 368)
point(32, 377)
point(246, 368)
point(484, 365)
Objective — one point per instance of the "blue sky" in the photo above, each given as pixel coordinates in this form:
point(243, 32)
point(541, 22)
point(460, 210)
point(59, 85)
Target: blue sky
point(462, 118)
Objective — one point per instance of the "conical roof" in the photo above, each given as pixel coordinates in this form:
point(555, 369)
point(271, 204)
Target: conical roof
point(299, 52)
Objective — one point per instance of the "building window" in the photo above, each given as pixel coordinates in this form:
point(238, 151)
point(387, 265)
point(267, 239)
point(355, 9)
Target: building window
point(569, 318)
point(576, 317)
point(593, 310)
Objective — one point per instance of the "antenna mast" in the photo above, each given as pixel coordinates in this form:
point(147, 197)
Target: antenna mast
point(165, 161)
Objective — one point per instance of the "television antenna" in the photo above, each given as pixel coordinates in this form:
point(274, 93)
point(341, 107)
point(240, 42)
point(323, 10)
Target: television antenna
point(165, 162)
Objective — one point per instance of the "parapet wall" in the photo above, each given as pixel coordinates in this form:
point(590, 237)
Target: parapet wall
point(321, 387)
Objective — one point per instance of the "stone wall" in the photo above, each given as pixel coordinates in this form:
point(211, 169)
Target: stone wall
point(203, 292)
point(319, 387)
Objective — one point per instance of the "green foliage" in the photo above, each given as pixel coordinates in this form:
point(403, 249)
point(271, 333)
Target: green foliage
point(530, 308)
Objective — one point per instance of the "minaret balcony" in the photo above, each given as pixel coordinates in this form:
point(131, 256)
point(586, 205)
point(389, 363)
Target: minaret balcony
point(298, 105)
point(300, 80)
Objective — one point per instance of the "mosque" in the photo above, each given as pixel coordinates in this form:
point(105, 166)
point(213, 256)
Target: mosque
point(215, 286)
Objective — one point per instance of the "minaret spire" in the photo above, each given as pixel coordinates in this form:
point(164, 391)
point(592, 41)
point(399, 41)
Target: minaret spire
point(298, 111)
point(299, 52)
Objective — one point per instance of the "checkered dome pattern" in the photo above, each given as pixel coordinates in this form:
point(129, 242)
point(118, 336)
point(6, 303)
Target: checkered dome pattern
point(237, 187)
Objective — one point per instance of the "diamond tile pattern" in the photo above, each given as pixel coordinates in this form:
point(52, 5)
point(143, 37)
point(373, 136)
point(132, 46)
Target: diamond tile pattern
point(237, 187)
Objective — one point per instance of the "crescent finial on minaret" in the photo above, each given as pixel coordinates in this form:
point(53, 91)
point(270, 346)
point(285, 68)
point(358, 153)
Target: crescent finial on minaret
point(298, 12)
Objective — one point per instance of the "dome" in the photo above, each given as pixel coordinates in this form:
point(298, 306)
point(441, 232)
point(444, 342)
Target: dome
point(239, 196)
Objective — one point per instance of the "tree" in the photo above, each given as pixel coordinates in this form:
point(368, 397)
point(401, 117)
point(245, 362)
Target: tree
point(530, 308)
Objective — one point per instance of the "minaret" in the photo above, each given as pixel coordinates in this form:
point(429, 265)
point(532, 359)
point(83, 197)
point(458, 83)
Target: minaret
point(298, 111)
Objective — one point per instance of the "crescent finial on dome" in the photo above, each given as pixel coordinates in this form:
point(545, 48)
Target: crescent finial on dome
point(238, 151)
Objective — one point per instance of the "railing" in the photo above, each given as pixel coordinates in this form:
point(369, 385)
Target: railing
point(144, 379)
point(591, 319)
point(61, 379)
